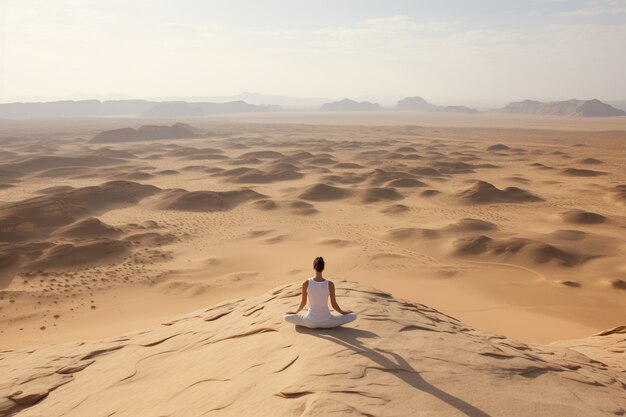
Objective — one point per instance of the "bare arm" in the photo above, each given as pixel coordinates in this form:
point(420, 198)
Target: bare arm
point(333, 300)
point(305, 286)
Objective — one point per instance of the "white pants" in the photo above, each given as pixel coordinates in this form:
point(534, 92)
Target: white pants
point(334, 321)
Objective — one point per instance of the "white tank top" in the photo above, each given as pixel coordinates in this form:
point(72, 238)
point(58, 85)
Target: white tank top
point(318, 300)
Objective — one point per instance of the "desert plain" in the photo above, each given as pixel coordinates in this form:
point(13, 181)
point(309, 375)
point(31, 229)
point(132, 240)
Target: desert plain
point(514, 225)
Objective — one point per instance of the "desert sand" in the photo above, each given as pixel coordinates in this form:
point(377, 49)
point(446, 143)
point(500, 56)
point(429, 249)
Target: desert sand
point(401, 358)
point(511, 224)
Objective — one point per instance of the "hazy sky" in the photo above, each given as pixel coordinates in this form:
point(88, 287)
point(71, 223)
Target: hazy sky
point(441, 50)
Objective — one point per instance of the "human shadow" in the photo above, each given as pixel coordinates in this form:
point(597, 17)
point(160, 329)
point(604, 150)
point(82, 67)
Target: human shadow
point(349, 338)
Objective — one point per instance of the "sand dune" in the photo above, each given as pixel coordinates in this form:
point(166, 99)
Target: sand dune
point(43, 163)
point(324, 192)
point(302, 208)
point(590, 161)
point(406, 183)
point(71, 255)
point(470, 225)
point(526, 250)
point(483, 192)
point(347, 178)
point(179, 199)
point(412, 233)
point(245, 175)
point(87, 228)
point(429, 193)
point(265, 204)
point(39, 215)
point(396, 209)
point(619, 193)
point(498, 147)
point(411, 209)
point(262, 155)
point(582, 217)
point(380, 176)
point(145, 133)
point(403, 358)
point(151, 238)
point(577, 172)
point(466, 225)
point(376, 194)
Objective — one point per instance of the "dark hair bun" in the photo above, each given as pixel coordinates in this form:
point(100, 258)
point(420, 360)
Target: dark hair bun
point(318, 264)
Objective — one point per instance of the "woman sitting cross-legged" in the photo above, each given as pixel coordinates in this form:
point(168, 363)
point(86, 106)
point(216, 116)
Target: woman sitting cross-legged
point(319, 316)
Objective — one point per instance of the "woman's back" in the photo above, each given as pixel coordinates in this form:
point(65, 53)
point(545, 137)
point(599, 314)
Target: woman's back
point(318, 293)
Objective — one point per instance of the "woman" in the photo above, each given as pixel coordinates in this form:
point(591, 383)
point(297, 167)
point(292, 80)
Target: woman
point(318, 289)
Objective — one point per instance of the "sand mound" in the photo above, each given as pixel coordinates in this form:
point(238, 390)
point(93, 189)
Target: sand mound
point(453, 168)
point(347, 165)
point(619, 193)
point(483, 192)
point(302, 208)
point(570, 283)
point(406, 149)
point(429, 193)
point(143, 133)
point(133, 176)
point(192, 153)
point(324, 192)
point(167, 172)
point(396, 209)
point(590, 161)
point(35, 216)
point(245, 175)
point(582, 217)
point(398, 358)
point(576, 172)
point(183, 200)
point(262, 155)
point(425, 172)
point(498, 147)
point(412, 233)
point(522, 249)
point(470, 225)
point(88, 228)
point(73, 255)
point(376, 194)
point(466, 225)
point(42, 163)
point(406, 183)
point(265, 205)
point(151, 238)
point(619, 284)
point(348, 178)
point(568, 234)
point(380, 176)
point(69, 172)
point(321, 160)
point(55, 189)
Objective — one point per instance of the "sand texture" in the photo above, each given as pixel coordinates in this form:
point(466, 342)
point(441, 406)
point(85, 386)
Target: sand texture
point(513, 224)
point(399, 358)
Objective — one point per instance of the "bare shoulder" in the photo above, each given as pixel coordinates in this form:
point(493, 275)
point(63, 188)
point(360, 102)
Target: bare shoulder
point(331, 285)
point(305, 283)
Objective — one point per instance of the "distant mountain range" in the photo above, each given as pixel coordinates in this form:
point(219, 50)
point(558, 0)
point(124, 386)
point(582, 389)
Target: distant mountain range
point(573, 107)
point(419, 104)
point(408, 103)
point(183, 109)
point(136, 108)
point(350, 105)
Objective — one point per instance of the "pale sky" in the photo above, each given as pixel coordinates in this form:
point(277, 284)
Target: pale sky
point(441, 50)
